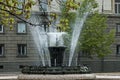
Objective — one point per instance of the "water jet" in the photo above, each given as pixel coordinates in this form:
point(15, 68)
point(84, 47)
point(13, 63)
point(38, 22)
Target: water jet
point(51, 48)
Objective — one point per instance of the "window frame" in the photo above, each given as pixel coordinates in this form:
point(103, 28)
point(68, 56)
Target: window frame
point(118, 29)
point(20, 6)
point(117, 11)
point(21, 54)
point(118, 49)
point(21, 66)
point(1, 67)
point(3, 50)
point(2, 29)
point(18, 28)
point(84, 54)
point(44, 6)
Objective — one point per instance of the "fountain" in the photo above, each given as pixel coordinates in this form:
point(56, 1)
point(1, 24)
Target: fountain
point(75, 35)
point(51, 48)
point(50, 45)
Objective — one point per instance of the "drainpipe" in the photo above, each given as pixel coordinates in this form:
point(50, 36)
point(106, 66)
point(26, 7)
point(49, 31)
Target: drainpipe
point(102, 6)
point(102, 64)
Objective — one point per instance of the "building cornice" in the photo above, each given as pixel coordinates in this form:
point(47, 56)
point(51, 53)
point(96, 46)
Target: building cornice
point(113, 15)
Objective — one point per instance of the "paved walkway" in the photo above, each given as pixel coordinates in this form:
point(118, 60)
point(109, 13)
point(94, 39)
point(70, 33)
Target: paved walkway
point(8, 77)
point(95, 76)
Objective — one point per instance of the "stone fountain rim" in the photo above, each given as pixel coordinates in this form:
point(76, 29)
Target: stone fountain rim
point(56, 77)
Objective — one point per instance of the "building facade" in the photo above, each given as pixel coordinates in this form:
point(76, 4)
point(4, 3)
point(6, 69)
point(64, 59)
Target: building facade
point(17, 47)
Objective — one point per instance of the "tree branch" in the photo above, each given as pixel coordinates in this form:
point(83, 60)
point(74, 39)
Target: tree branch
point(10, 6)
point(43, 13)
point(20, 18)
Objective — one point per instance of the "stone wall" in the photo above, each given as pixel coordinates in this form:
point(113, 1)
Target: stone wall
point(11, 61)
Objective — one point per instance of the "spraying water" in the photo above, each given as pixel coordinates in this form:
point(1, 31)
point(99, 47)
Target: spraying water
point(40, 38)
point(56, 38)
point(76, 32)
point(45, 39)
point(80, 19)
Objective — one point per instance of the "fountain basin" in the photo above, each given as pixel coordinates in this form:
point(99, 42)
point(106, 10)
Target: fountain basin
point(55, 70)
point(56, 55)
point(57, 77)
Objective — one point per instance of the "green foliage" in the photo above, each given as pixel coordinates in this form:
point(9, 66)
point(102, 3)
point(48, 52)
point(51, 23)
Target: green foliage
point(95, 39)
point(87, 6)
point(67, 15)
point(9, 9)
point(70, 14)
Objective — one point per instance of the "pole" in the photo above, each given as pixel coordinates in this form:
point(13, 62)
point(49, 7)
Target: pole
point(102, 6)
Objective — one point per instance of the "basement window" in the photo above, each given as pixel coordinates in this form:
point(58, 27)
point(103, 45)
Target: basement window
point(84, 54)
point(21, 66)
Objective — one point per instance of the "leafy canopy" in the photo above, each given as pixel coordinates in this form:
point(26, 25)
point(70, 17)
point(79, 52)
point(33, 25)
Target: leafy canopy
point(9, 9)
point(67, 17)
point(95, 38)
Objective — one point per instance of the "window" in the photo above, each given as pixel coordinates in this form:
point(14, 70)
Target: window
point(21, 66)
point(1, 49)
point(118, 50)
point(117, 6)
point(84, 54)
point(1, 28)
point(21, 27)
point(44, 6)
point(1, 67)
point(117, 29)
point(20, 5)
point(22, 51)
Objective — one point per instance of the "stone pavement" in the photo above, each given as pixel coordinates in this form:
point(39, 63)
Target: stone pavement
point(93, 76)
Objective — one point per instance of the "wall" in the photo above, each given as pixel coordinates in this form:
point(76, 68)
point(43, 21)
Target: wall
point(10, 61)
point(107, 6)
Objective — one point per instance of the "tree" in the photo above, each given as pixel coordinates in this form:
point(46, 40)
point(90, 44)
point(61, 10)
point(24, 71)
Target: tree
point(96, 38)
point(67, 14)
point(12, 9)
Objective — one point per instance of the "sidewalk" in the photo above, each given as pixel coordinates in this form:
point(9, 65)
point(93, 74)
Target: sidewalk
point(93, 76)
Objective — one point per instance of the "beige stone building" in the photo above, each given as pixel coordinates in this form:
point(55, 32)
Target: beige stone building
point(17, 47)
